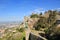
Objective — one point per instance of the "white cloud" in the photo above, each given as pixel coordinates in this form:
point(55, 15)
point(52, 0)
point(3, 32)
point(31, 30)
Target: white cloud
point(58, 9)
point(38, 10)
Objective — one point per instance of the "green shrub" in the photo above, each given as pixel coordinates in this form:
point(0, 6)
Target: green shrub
point(34, 16)
point(21, 29)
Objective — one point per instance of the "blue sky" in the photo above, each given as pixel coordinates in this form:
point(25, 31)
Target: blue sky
point(15, 10)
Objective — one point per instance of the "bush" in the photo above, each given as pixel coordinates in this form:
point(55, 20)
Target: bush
point(21, 29)
point(34, 16)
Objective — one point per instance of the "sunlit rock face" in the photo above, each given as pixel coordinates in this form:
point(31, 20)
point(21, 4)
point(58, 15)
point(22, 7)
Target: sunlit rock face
point(30, 21)
point(46, 14)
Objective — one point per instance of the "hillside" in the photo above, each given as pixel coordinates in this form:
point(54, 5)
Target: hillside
point(35, 27)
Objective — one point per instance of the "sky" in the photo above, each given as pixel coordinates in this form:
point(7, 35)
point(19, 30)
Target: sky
point(15, 10)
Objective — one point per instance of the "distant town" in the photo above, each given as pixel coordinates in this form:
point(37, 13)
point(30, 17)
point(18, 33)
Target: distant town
point(5, 25)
